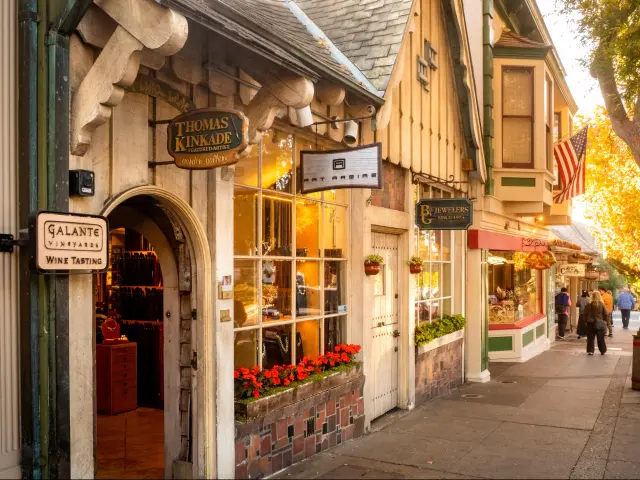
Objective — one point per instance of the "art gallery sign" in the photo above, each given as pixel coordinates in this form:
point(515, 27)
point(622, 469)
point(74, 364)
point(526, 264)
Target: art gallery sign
point(207, 138)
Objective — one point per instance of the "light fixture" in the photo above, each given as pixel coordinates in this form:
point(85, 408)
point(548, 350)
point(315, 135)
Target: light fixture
point(540, 218)
point(495, 260)
point(350, 133)
point(304, 116)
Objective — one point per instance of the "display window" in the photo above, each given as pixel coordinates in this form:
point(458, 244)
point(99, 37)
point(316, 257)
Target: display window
point(434, 285)
point(290, 258)
point(514, 288)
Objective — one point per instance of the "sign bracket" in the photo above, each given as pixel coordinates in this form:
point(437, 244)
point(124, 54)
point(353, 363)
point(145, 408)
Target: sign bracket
point(7, 242)
point(155, 164)
point(428, 179)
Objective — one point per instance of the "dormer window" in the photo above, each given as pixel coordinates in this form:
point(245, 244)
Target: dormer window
point(517, 117)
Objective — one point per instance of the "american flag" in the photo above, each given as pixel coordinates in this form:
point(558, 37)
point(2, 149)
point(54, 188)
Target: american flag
point(570, 157)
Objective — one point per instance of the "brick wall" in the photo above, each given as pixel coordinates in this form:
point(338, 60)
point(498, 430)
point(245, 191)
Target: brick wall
point(392, 193)
point(291, 433)
point(438, 371)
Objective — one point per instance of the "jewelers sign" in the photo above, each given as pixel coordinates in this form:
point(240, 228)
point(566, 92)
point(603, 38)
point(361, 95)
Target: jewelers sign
point(444, 214)
point(66, 243)
point(207, 138)
point(572, 270)
point(359, 167)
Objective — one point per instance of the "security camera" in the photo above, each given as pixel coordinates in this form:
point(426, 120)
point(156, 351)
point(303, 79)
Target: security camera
point(350, 133)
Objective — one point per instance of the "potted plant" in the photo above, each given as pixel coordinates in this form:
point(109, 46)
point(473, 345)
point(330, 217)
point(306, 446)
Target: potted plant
point(415, 264)
point(372, 264)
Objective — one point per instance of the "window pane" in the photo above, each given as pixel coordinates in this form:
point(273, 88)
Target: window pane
point(300, 145)
point(435, 309)
point(337, 196)
point(335, 332)
point(307, 340)
point(245, 222)
point(446, 306)
point(307, 288)
point(307, 228)
point(517, 92)
point(277, 161)
point(276, 290)
point(516, 141)
point(246, 170)
point(335, 287)
point(428, 282)
point(445, 250)
point(446, 280)
point(423, 241)
point(276, 225)
point(276, 346)
point(335, 231)
point(245, 348)
point(245, 293)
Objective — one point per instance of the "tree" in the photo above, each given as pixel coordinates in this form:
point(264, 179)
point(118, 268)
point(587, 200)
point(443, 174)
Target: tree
point(612, 192)
point(611, 31)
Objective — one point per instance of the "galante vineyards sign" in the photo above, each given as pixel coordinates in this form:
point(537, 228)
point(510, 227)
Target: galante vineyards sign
point(67, 242)
point(444, 214)
point(207, 138)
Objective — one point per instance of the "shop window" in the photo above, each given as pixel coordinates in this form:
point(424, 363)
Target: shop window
point(517, 117)
point(290, 263)
point(514, 288)
point(433, 287)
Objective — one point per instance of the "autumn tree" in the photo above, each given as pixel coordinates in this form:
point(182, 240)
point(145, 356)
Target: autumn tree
point(612, 193)
point(610, 29)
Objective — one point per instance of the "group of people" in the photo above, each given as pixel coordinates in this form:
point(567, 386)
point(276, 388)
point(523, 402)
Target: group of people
point(596, 315)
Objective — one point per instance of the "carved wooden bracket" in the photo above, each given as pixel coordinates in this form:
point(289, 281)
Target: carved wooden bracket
point(141, 25)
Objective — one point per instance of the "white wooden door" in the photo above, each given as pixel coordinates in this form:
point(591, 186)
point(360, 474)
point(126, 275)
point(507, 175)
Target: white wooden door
point(385, 328)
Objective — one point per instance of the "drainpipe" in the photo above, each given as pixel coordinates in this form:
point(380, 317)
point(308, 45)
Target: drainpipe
point(28, 204)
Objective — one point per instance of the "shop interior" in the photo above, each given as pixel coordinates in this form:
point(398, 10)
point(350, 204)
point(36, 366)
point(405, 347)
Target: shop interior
point(129, 360)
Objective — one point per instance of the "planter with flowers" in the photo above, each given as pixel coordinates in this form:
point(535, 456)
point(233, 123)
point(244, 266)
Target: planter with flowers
point(372, 264)
point(415, 265)
point(258, 392)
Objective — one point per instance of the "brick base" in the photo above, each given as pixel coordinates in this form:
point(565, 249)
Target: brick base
point(438, 371)
point(291, 433)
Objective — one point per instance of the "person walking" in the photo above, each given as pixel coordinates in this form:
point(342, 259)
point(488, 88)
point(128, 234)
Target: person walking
point(607, 299)
point(582, 303)
point(595, 315)
point(563, 302)
point(626, 302)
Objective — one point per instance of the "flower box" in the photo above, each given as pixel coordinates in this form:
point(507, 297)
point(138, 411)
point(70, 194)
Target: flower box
point(311, 386)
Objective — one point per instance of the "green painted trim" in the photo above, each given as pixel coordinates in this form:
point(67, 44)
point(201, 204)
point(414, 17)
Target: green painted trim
point(484, 288)
point(517, 182)
point(487, 89)
point(516, 52)
point(500, 344)
point(540, 330)
point(527, 338)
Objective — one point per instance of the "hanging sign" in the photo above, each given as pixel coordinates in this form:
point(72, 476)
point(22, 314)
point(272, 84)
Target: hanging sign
point(207, 138)
point(359, 167)
point(69, 243)
point(572, 270)
point(444, 214)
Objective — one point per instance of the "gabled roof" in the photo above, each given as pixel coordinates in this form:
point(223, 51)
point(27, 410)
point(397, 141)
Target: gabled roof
point(368, 32)
point(509, 39)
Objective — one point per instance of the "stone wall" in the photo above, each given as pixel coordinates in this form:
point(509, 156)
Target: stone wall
point(438, 370)
point(288, 434)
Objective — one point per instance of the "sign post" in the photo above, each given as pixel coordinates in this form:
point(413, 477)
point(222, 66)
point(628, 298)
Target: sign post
point(444, 214)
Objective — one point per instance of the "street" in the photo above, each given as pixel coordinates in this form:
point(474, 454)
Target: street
point(562, 414)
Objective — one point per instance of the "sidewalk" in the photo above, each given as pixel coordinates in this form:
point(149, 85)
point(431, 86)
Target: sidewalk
point(563, 414)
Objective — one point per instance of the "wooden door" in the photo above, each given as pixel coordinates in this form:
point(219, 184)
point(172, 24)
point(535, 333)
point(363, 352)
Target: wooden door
point(385, 327)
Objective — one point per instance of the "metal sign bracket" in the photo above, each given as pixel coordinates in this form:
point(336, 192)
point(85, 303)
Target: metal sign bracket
point(7, 242)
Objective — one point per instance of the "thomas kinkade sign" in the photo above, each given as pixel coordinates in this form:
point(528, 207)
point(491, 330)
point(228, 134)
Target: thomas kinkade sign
point(572, 270)
point(444, 214)
point(359, 167)
point(66, 242)
point(206, 138)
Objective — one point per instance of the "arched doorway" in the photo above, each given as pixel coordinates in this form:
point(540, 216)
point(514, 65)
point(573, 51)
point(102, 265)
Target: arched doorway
point(170, 226)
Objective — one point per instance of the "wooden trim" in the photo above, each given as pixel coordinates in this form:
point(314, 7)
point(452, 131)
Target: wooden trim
point(532, 116)
point(525, 322)
point(517, 182)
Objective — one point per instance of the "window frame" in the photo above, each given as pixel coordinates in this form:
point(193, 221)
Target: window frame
point(260, 257)
point(549, 117)
point(531, 116)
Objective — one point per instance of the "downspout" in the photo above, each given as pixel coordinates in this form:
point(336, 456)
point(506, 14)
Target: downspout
point(487, 85)
point(28, 204)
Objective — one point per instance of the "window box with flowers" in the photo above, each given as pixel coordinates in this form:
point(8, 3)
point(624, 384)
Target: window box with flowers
point(257, 392)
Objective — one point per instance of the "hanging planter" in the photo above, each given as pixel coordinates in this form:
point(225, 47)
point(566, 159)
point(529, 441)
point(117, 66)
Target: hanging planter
point(415, 265)
point(372, 264)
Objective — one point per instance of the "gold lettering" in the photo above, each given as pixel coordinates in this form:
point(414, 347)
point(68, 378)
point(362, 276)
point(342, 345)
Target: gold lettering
point(425, 213)
point(224, 122)
point(219, 138)
point(189, 126)
point(180, 146)
point(208, 124)
point(179, 125)
point(227, 138)
point(205, 140)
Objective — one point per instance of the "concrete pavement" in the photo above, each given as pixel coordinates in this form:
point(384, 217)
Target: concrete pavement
point(562, 414)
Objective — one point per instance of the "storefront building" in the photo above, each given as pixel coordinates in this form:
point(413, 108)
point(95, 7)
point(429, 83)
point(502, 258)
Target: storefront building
point(527, 106)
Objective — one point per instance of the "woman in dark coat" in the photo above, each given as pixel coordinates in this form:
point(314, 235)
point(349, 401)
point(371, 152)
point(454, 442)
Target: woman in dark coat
point(582, 303)
point(595, 314)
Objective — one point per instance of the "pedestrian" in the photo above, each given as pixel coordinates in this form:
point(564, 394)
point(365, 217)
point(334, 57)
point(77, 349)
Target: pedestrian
point(607, 299)
point(582, 303)
point(595, 315)
point(563, 302)
point(626, 302)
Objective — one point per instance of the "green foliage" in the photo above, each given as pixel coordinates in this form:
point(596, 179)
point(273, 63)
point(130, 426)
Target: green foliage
point(374, 259)
point(414, 261)
point(427, 332)
point(617, 276)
